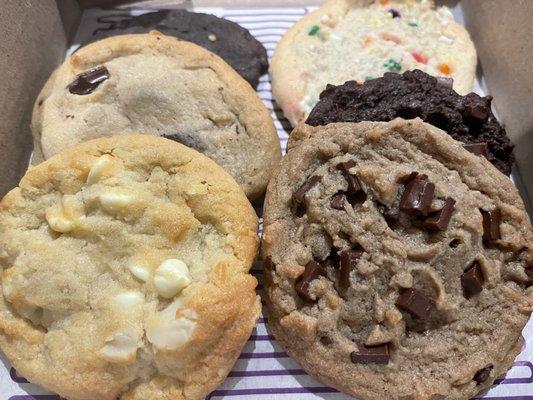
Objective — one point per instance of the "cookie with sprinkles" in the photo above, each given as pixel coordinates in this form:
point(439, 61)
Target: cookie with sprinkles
point(400, 264)
point(361, 40)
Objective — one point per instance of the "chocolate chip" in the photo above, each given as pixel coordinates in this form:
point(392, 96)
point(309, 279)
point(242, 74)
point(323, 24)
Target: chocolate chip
point(87, 81)
point(454, 243)
point(483, 374)
point(312, 271)
point(472, 280)
point(269, 265)
point(326, 340)
point(348, 262)
point(439, 220)
point(417, 196)
point(298, 197)
point(337, 201)
point(477, 111)
point(391, 215)
point(40, 102)
point(479, 149)
point(355, 190)
point(371, 354)
point(416, 303)
point(491, 226)
point(394, 13)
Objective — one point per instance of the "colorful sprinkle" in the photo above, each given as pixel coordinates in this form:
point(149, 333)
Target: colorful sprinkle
point(390, 37)
point(394, 13)
point(314, 30)
point(367, 40)
point(384, 2)
point(419, 57)
point(445, 69)
point(413, 24)
point(393, 65)
point(368, 78)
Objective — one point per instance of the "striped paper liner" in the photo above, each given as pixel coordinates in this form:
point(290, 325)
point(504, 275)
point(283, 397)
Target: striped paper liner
point(264, 370)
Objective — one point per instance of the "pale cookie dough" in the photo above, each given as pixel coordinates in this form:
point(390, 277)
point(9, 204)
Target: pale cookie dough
point(125, 271)
point(155, 84)
point(361, 40)
point(398, 265)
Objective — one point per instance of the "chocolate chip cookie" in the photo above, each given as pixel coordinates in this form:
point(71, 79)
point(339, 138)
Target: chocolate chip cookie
point(412, 94)
point(121, 263)
point(398, 264)
point(158, 85)
point(230, 41)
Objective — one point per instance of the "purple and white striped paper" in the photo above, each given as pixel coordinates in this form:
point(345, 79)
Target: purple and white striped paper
point(264, 370)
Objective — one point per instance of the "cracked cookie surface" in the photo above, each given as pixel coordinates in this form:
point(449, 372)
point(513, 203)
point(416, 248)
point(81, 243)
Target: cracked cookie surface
point(125, 271)
point(159, 85)
point(398, 264)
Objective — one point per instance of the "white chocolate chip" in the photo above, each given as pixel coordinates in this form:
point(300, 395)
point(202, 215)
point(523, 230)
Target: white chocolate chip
point(62, 218)
point(129, 300)
point(115, 202)
point(166, 332)
point(171, 277)
point(99, 168)
point(120, 348)
point(140, 272)
point(7, 285)
point(57, 221)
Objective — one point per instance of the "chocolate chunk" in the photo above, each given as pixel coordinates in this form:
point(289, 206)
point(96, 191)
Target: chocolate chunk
point(312, 271)
point(348, 262)
point(87, 81)
point(298, 197)
point(355, 190)
point(394, 13)
point(439, 220)
point(417, 196)
point(337, 201)
point(479, 149)
point(477, 111)
point(326, 340)
point(416, 303)
point(268, 264)
point(491, 226)
point(472, 280)
point(391, 215)
point(483, 374)
point(371, 354)
point(454, 243)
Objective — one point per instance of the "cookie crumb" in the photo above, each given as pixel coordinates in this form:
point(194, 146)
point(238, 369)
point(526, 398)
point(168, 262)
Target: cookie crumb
point(212, 37)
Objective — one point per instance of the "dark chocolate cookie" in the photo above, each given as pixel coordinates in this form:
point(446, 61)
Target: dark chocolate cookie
point(230, 41)
point(416, 94)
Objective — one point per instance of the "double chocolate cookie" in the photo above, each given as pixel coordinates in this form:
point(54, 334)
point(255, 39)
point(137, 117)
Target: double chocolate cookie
point(230, 41)
point(416, 94)
point(398, 264)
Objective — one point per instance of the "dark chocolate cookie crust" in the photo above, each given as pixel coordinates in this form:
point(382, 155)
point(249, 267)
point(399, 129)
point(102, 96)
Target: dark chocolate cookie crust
point(416, 94)
point(225, 38)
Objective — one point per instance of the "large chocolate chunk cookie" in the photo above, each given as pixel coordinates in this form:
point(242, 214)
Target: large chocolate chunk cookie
point(397, 262)
point(416, 94)
point(228, 40)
